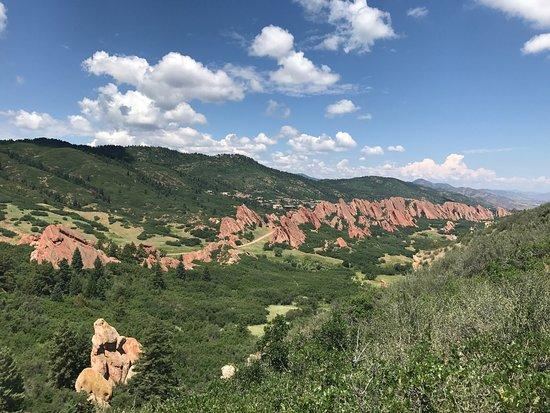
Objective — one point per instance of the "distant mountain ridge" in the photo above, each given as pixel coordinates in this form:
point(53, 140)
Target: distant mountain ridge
point(496, 198)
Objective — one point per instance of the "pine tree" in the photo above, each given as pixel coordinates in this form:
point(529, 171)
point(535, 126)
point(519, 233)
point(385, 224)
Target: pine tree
point(180, 271)
point(113, 250)
point(158, 277)
point(12, 390)
point(155, 374)
point(44, 279)
point(68, 356)
point(57, 292)
point(64, 276)
point(128, 253)
point(206, 274)
point(75, 286)
point(95, 285)
point(76, 261)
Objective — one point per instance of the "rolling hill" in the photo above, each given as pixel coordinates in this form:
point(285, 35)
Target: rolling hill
point(157, 183)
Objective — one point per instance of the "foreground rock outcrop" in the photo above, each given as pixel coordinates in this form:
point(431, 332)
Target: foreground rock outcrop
point(57, 243)
point(112, 360)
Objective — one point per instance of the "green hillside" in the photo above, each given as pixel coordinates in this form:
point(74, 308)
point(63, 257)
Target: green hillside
point(158, 183)
point(471, 333)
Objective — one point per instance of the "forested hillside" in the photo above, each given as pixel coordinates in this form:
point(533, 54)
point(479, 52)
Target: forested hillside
point(155, 182)
point(470, 333)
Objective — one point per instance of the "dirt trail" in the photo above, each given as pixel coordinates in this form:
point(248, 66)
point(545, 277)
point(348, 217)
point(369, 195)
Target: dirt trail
point(240, 246)
point(256, 240)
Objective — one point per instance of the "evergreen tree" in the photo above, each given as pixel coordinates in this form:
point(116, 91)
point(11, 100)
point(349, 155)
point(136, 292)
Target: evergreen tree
point(112, 251)
point(156, 377)
point(76, 261)
point(64, 276)
point(68, 356)
point(95, 285)
point(158, 277)
point(180, 271)
point(44, 279)
point(57, 292)
point(206, 274)
point(128, 253)
point(75, 285)
point(12, 390)
point(6, 277)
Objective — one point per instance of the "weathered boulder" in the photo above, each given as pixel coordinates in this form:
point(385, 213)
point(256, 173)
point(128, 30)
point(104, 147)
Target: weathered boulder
point(228, 371)
point(111, 361)
point(57, 243)
point(112, 354)
point(98, 389)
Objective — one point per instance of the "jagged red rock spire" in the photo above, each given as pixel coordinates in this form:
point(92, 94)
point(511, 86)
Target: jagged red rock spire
point(358, 216)
point(57, 243)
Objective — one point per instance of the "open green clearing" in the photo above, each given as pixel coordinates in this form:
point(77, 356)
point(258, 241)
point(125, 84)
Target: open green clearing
point(274, 310)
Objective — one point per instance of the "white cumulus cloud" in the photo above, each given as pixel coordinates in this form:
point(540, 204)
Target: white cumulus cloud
point(534, 11)
point(357, 25)
point(537, 44)
point(173, 79)
point(372, 150)
point(303, 142)
point(274, 42)
point(341, 107)
point(296, 73)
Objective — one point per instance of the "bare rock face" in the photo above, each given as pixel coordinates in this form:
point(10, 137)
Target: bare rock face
point(112, 354)
point(359, 215)
point(230, 256)
point(57, 243)
point(341, 242)
point(289, 232)
point(501, 212)
point(244, 217)
point(111, 360)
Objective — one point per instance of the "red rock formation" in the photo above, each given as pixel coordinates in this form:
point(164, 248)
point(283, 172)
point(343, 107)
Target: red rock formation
point(289, 232)
point(204, 255)
point(57, 243)
point(449, 227)
point(501, 212)
point(112, 359)
point(244, 217)
point(247, 216)
point(341, 242)
point(229, 226)
point(359, 215)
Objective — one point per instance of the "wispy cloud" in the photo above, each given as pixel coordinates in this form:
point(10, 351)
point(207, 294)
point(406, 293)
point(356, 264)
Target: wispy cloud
point(418, 12)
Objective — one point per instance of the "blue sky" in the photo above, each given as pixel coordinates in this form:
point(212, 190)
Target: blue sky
point(453, 91)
